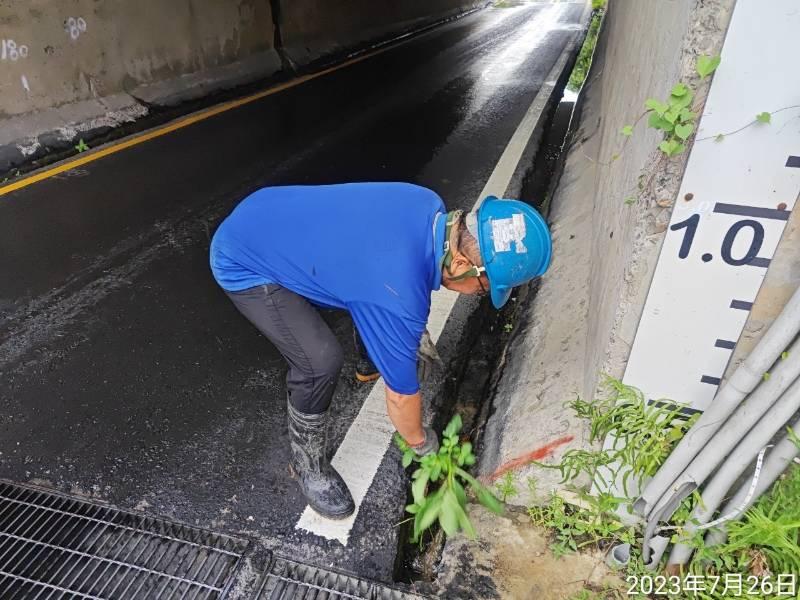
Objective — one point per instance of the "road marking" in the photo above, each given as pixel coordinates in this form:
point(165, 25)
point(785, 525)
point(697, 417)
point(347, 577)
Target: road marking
point(180, 123)
point(367, 441)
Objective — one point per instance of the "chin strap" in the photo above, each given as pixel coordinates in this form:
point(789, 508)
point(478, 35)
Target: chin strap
point(453, 217)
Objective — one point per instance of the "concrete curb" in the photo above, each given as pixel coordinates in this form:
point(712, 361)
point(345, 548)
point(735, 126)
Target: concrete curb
point(34, 139)
point(193, 86)
point(28, 140)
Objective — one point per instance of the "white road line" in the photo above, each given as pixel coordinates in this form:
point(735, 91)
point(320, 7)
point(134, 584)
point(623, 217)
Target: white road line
point(370, 434)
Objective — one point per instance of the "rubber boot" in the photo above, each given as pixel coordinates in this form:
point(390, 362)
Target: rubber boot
point(322, 486)
point(365, 369)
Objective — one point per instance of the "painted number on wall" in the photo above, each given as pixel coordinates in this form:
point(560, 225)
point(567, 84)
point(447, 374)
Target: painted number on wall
point(75, 27)
point(10, 50)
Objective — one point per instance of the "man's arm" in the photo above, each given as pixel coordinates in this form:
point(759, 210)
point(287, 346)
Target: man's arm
point(405, 412)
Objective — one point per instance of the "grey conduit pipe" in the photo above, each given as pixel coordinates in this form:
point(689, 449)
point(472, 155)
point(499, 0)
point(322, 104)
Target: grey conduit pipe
point(726, 437)
point(738, 461)
point(778, 460)
point(742, 382)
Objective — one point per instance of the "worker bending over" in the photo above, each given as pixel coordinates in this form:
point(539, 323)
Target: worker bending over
point(377, 250)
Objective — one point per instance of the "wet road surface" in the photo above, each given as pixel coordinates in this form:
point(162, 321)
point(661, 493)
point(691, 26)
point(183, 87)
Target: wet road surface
point(128, 376)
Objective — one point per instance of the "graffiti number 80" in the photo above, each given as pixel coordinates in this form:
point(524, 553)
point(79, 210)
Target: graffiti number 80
point(10, 51)
point(75, 27)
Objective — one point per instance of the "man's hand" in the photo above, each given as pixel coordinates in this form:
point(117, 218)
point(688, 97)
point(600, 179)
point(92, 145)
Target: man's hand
point(428, 359)
point(430, 444)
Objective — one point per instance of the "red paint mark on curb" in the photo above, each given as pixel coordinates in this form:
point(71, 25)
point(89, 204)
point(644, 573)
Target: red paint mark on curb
point(538, 454)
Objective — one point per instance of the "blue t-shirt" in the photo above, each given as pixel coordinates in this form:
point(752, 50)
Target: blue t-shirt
point(369, 248)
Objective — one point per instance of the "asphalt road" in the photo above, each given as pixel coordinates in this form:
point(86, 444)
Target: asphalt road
point(127, 375)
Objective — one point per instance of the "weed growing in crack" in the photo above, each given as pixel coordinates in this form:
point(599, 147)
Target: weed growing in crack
point(642, 436)
point(765, 541)
point(506, 487)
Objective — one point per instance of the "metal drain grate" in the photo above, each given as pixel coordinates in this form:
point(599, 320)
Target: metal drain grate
point(57, 547)
point(290, 580)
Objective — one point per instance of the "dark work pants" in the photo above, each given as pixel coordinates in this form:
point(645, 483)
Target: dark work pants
point(296, 328)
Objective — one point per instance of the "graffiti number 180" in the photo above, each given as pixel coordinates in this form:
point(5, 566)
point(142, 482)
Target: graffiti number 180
point(10, 51)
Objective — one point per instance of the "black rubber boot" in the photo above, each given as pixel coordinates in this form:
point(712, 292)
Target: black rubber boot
point(322, 486)
point(365, 369)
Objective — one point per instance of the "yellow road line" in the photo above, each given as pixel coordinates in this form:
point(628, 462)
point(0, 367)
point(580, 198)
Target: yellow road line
point(180, 123)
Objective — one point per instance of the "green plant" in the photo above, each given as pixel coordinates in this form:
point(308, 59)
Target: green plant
point(575, 527)
point(770, 531)
point(706, 65)
point(81, 146)
point(642, 435)
point(438, 485)
point(584, 60)
point(675, 117)
point(766, 540)
point(506, 487)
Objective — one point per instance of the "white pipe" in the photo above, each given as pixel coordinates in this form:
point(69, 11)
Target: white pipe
point(742, 382)
point(658, 545)
point(619, 556)
point(726, 437)
point(713, 493)
point(778, 460)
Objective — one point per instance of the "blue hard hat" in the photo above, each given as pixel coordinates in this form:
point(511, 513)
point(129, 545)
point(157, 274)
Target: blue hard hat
point(515, 244)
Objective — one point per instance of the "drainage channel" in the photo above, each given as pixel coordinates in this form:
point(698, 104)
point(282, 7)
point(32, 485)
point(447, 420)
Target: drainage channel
point(54, 546)
point(481, 359)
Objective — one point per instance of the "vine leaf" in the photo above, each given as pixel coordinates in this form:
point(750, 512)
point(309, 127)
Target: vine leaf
point(671, 147)
point(658, 107)
point(679, 90)
point(658, 122)
point(764, 117)
point(720, 137)
point(684, 131)
point(707, 65)
point(627, 130)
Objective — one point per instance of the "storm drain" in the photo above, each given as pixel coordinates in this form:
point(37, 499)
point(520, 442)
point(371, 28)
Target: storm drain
point(57, 547)
point(289, 580)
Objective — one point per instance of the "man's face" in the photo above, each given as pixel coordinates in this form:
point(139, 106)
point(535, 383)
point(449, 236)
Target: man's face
point(475, 286)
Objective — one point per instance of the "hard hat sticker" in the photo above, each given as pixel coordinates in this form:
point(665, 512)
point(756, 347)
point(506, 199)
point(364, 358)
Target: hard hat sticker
point(505, 231)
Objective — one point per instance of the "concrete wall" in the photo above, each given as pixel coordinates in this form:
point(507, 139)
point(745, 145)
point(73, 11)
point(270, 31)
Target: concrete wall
point(311, 29)
point(75, 50)
point(585, 315)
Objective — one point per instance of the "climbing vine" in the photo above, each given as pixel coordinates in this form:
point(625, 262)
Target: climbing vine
point(675, 117)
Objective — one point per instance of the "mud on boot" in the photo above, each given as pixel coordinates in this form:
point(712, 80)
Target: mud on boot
point(320, 483)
